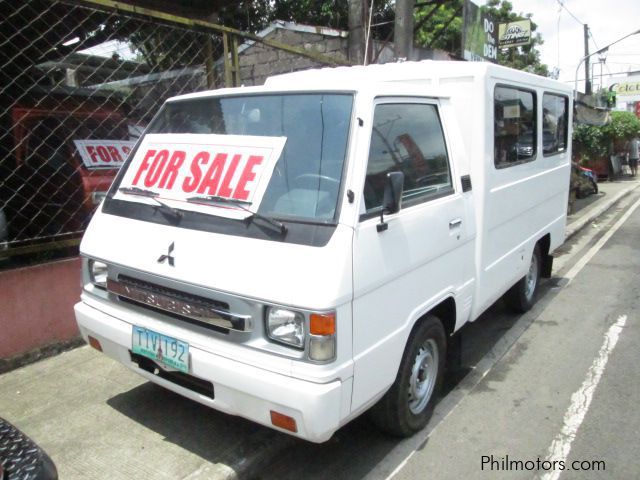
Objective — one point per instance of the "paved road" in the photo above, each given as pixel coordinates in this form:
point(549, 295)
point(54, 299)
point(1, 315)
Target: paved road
point(511, 396)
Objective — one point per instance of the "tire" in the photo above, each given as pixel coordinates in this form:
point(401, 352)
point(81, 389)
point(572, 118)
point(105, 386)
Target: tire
point(408, 405)
point(522, 296)
point(594, 185)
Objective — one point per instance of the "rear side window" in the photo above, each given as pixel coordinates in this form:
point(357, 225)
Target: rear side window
point(514, 126)
point(407, 137)
point(554, 123)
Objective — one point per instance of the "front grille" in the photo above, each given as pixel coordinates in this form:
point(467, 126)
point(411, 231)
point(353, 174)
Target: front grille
point(183, 380)
point(179, 304)
point(170, 292)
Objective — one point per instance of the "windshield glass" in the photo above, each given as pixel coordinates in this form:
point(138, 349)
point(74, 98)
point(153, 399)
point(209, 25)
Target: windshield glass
point(306, 178)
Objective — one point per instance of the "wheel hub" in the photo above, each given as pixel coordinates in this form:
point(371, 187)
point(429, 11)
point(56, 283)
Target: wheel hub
point(531, 278)
point(423, 377)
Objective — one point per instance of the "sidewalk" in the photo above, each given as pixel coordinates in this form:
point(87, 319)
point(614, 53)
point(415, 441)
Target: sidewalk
point(587, 209)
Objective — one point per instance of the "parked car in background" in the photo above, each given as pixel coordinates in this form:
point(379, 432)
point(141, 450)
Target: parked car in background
point(68, 145)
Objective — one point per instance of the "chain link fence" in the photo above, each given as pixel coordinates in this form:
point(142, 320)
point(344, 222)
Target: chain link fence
point(79, 82)
point(78, 86)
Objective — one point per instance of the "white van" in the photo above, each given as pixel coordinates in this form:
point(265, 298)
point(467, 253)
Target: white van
point(300, 252)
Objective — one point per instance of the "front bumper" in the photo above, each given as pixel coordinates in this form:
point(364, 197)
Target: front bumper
point(239, 388)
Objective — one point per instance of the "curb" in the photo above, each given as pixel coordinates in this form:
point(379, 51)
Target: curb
point(578, 224)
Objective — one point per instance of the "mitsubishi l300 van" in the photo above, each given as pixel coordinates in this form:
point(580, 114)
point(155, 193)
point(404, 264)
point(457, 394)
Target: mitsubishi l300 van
point(302, 252)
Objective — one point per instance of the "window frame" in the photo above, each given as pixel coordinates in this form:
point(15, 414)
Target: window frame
point(534, 154)
point(375, 212)
point(566, 127)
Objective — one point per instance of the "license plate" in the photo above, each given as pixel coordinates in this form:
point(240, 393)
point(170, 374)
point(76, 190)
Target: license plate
point(161, 348)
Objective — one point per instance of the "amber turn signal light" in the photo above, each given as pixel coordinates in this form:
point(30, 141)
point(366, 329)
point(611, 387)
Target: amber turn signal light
point(322, 324)
point(95, 343)
point(284, 421)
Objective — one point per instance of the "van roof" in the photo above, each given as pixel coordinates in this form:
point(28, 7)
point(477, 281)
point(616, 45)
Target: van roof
point(407, 71)
point(356, 78)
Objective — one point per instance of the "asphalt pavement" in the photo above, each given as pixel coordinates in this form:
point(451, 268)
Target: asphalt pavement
point(566, 390)
point(96, 419)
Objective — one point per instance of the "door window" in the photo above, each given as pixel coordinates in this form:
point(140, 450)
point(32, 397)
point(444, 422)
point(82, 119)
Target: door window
point(514, 126)
point(407, 138)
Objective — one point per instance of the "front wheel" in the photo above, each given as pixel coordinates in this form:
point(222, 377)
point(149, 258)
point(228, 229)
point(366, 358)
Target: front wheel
point(521, 297)
point(408, 404)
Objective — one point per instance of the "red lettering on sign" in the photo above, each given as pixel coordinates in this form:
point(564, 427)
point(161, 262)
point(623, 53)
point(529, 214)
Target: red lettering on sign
point(189, 184)
point(225, 188)
point(212, 177)
point(103, 154)
point(171, 172)
point(126, 150)
point(144, 165)
point(115, 154)
point(247, 176)
point(92, 153)
point(156, 168)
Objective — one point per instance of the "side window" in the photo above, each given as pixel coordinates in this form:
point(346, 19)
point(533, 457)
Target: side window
point(407, 137)
point(514, 126)
point(554, 123)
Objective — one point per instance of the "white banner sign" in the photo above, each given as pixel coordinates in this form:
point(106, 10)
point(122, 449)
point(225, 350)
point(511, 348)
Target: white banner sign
point(627, 88)
point(182, 168)
point(104, 153)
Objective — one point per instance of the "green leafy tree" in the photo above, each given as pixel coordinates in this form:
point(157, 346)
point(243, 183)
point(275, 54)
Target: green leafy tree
point(591, 142)
point(622, 128)
point(441, 27)
point(332, 14)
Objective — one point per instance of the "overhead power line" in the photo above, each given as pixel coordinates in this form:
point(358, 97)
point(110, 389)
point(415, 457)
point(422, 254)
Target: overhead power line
point(561, 3)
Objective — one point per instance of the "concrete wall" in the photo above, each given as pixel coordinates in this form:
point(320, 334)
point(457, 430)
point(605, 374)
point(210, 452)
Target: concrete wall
point(258, 61)
point(36, 306)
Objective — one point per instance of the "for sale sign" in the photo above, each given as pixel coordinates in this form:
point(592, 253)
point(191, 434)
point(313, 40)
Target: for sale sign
point(103, 153)
point(182, 168)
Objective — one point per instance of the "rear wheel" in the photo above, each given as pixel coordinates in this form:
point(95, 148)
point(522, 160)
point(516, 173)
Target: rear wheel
point(408, 405)
point(521, 297)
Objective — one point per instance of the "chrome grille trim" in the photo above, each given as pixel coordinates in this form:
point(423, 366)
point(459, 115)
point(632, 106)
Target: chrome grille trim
point(179, 303)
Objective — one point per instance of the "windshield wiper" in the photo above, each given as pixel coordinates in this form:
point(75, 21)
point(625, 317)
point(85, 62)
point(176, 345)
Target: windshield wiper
point(216, 200)
point(164, 208)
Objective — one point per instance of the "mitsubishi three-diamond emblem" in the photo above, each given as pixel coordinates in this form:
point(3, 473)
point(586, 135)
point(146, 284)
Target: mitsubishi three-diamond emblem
point(169, 256)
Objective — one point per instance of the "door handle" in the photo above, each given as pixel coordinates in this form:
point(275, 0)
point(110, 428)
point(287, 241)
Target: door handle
point(455, 223)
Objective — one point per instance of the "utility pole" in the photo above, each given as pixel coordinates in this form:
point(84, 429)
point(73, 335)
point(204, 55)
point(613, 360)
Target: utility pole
point(403, 29)
point(356, 31)
point(587, 70)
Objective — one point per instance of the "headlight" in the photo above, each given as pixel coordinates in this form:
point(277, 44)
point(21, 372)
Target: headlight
point(98, 273)
point(286, 326)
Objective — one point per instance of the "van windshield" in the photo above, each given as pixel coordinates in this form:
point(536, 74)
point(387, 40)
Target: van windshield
point(306, 180)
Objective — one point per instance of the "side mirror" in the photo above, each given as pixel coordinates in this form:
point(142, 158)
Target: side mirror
point(393, 188)
point(392, 198)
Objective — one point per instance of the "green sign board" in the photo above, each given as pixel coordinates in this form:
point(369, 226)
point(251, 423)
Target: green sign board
point(479, 35)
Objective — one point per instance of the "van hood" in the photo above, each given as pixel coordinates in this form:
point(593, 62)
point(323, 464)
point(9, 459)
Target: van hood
point(268, 271)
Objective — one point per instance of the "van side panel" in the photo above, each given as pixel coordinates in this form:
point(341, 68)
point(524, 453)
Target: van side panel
point(399, 275)
point(522, 204)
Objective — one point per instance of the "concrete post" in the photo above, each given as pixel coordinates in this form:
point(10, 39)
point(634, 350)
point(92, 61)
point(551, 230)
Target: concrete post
point(356, 31)
point(403, 30)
